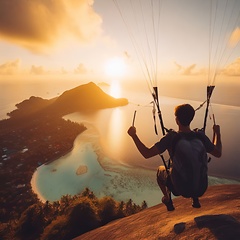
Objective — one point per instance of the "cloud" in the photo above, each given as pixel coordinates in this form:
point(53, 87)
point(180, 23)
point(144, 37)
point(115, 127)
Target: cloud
point(190, 70)
point(179, 67)
point(81, 69)
point(235, 37)
point(38, 24)
point(37, 70)
point(63, 71)
point(9, 68)
point(233, 69)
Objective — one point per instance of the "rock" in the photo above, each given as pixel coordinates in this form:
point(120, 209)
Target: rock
point(218, 218)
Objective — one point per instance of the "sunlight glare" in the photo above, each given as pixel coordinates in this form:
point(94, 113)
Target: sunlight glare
point(114, 129)
point(115, 67)
point(115, 89)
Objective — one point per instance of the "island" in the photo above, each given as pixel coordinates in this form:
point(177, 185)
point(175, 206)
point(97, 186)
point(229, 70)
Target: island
point(81, 170)
point(34, 134)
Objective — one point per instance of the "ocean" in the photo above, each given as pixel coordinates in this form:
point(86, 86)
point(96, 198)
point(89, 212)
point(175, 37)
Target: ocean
point(112, 164)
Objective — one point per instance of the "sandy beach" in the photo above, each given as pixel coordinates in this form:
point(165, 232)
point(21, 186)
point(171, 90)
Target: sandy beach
point(35, 188)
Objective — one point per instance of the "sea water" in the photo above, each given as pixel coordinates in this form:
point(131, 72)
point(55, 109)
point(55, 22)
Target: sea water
point(113, 165)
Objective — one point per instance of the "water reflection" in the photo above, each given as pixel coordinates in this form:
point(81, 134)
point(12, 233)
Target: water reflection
point(114, 131)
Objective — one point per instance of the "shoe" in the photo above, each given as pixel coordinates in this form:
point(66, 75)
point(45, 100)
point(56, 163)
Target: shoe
point(168, 204)
point(196, 203)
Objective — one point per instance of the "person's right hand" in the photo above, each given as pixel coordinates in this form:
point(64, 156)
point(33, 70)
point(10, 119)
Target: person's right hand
point(131, 131)
point(216, 129)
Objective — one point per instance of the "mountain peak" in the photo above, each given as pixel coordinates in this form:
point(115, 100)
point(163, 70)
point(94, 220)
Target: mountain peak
point(86, 97)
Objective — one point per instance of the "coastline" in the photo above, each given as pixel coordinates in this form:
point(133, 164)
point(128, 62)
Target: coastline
point(102, 175)
point(33, 181)
point(35, 189)
point(84, 144)
point(114, 180)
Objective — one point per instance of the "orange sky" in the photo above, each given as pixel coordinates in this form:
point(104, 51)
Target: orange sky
point(71, 38)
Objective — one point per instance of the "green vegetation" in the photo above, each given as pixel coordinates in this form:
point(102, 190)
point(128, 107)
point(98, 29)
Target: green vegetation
point(67, 218)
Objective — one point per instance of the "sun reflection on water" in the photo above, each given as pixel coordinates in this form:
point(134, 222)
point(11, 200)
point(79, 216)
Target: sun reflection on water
point(114, 132)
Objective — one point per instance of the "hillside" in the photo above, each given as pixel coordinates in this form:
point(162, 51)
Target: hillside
point(218, 218)
point(86, 97)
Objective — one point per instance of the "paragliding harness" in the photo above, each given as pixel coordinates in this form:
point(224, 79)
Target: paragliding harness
point(187, 170)
point(209, 94)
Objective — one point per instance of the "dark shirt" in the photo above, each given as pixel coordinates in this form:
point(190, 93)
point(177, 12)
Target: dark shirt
point(166, 143)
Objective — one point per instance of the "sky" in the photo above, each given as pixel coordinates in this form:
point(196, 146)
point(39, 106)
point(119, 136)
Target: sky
point(89, 38)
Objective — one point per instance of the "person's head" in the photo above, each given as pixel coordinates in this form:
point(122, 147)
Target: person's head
point(184, 114)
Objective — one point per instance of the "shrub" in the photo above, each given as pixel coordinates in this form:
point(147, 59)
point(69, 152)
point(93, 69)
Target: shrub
point(55, 230)
point(31, 222)
point(107, 210)
point(80, 218)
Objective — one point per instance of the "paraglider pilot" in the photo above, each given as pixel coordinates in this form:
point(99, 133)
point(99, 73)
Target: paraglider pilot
point(165, 177)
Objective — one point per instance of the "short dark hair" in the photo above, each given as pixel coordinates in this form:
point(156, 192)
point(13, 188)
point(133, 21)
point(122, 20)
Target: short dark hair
point(185, 114)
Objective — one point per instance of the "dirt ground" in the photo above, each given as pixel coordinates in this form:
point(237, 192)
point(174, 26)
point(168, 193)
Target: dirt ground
point(218, 218)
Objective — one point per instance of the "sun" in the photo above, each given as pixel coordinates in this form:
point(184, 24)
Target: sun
point(115, 67)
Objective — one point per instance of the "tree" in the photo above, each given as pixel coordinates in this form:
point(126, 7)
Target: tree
point(120, 209)
point(144, 205)
point(80, 218)
point(31, 222)
point(129, 207)
point(88, 193)
point(64, 202)
point(107, 209)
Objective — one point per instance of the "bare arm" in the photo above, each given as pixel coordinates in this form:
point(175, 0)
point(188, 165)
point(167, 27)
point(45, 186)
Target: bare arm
point(217, 151)
point(145, 151)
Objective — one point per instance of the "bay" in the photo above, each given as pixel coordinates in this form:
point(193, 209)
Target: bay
point(123, 172)
point(114, 166)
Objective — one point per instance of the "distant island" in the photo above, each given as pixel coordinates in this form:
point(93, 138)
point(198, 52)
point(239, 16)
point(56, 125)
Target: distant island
point(35, 133)
point(82, 98)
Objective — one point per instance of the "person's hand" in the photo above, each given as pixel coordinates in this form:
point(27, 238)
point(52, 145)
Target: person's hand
point(216, 129)
point(132, 131)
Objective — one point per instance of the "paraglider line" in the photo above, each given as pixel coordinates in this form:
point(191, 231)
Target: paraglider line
point(209, 94)
point(134, 116)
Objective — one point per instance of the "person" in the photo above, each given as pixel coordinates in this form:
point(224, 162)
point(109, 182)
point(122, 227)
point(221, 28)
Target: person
point(184, 115)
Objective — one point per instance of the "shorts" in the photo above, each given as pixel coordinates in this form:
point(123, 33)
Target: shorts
point(162, 175)
point(163, 178)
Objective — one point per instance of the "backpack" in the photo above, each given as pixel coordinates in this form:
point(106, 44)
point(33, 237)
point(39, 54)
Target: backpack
point(189, 165)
